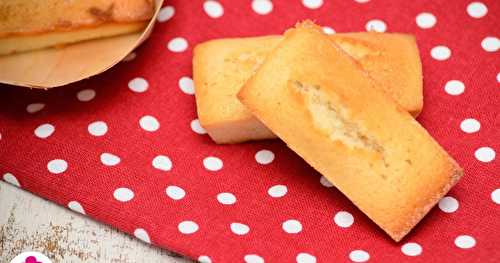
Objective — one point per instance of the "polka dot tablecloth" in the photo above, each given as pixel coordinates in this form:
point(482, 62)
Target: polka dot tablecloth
point(126, 148)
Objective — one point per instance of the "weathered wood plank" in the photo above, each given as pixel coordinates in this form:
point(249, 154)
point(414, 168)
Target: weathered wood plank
point(30, 223)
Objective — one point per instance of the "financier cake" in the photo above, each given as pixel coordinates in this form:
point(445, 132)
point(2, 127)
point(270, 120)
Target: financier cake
point(221, 67)
point(321, 103)
point(34, 24)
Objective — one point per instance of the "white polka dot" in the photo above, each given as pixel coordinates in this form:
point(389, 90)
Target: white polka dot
point(123, 194)
point(376, 25)
point(196, 127)
point(175, 192)
point(226, 198)
point(448, 204)
point(178, 44)
point(305, 258)
point(343, 219)
point(162, 162)
point(166, 13)
point(454, 87)
point(470, 125)
point(57, 166)
point(44, 131)
point(186, 84)
point(252, 258)
point(85, 95)
point(204, 259)
point(109, 159)
point(11, 179)
point(328, 30)
point(411, 249)
point(292, 226)
point(490, 44)
point(35, 107)
point(212, 163)
point(485, 154)
point(77, 207)
point(277, 191)
point(359, 256)
point(142, 235)
point(97, 128)
point(264, 157)
point(477, 9)
point(149, 123)
point(239, 228)
point(312, 4)
point(465, 241)
point(425, 20)
point(325, 182)
point(213, 8)
point(187, 227)
point(129, 57)
point(440, 52)
point(495, 195)
point(498, 77)
point(362, 1)
point(262, 7)
point(138, 85)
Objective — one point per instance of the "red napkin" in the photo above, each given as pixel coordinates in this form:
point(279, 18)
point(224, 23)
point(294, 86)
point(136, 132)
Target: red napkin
point(125, 148)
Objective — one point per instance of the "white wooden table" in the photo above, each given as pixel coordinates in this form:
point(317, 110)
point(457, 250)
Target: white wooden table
point(30, 223)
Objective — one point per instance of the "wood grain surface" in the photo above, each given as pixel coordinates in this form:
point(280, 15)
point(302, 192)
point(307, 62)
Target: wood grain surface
point(30, 223)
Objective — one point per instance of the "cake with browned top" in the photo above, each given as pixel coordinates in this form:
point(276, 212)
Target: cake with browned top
point(221, 67)
point(34, 24)
point(322, 104)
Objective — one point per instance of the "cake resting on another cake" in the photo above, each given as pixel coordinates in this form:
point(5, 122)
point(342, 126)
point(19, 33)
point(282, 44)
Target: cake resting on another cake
point(329, 111)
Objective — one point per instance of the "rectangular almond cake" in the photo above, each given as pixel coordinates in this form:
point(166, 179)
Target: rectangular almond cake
point(221, 67)
point(34, 24)
point(319, 101)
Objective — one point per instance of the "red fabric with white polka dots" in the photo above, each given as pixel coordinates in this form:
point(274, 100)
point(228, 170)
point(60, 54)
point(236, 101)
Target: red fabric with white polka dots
point(126, 149)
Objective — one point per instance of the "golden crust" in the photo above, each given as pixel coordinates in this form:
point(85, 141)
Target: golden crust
point(21, 43)
point(330, 112)
point(27, 17)
point(392, 60)
point(221, 67)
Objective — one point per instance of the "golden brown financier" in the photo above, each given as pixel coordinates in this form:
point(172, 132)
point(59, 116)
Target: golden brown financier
point(34, 24)
point(221, 67)
point(319, 101)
